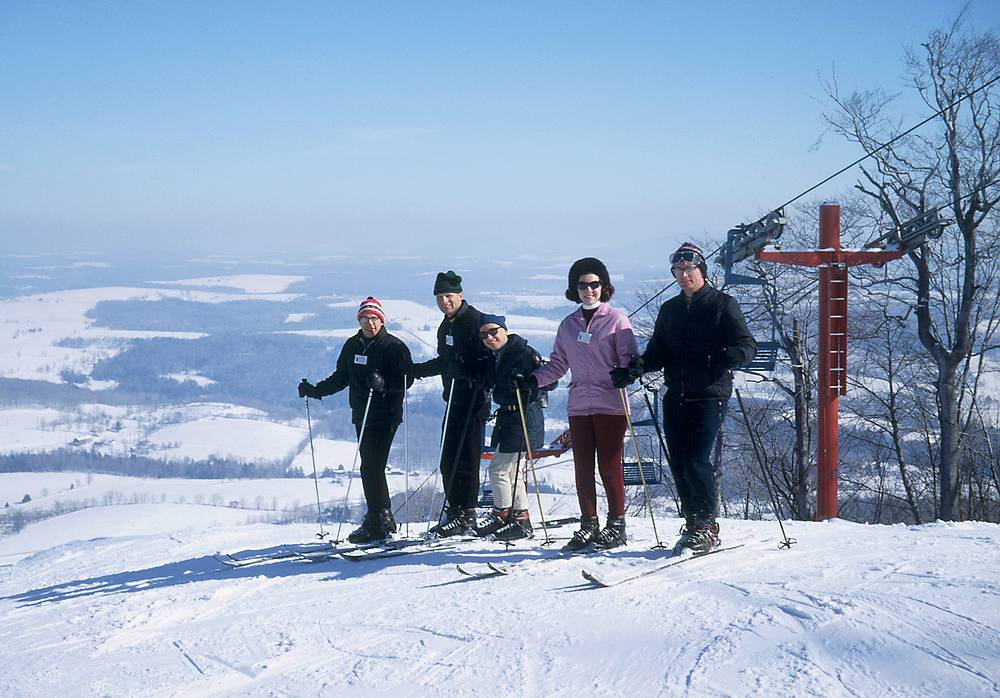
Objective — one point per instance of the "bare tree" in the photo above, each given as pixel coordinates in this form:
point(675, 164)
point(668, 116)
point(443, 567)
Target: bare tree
point(954, 163)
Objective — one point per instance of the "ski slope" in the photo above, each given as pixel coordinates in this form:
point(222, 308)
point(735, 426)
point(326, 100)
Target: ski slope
point(850, 610)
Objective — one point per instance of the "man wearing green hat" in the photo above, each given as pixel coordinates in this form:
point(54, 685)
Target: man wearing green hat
point(463, 364)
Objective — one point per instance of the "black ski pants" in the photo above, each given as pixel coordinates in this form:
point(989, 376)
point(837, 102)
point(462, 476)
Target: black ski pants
point(375, 446)
point(464, 434)
point(690, 428)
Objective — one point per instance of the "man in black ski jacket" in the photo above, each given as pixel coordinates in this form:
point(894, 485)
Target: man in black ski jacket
point(512, 356)
point(463, 364)
point(374, 366)
point(700, 336)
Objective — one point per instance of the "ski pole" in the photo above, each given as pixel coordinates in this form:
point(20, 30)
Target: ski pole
point(450, 481)
point(659, 434)
point(312, 451)
point(354, 465)
point(433, 473)
point(406, 456)
point(757, 450)
point(638, 462)
point(444, 431)
point(531, 463)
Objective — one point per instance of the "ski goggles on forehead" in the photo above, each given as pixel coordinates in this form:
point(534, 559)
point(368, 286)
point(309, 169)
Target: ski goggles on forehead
point(686, 256)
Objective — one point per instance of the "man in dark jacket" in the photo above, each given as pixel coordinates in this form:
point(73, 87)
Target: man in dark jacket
point(699, 337)
point(374, 366)
point(512, 356)
point(463, 364)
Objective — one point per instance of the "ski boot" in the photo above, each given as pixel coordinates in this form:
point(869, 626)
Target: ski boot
point(460, 522)
point(518, 528)
point(590, 526)
point(612, 535)
point(386, 523)
point(498, 519)
point(368, 532)
point(701, 536)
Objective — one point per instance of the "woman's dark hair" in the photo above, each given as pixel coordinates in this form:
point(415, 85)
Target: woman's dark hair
point(588, 265)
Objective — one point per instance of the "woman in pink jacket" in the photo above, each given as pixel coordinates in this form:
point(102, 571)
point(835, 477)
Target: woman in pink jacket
point(592, 341)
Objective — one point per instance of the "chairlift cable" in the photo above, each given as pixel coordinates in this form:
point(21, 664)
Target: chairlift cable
point(840, 172)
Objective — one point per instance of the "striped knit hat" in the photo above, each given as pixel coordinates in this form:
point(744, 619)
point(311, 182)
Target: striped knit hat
point(371, 306)
point(690, 252)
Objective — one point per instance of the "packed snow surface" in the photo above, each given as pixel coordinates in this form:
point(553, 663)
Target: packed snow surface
point(141, 608)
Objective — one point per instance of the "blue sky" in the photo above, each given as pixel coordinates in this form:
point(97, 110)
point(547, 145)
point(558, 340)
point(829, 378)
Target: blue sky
point(313, 128)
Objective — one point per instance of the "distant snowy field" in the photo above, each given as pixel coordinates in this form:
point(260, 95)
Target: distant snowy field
point(128, 601)
point(33, 334)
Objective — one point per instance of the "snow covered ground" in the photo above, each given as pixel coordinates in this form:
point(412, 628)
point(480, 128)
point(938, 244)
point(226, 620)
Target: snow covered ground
point(137, 605)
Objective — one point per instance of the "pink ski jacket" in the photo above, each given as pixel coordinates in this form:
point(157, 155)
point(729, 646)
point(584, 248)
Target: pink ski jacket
point(589, 353)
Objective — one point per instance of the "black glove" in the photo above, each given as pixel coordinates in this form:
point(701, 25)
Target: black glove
point(621, 377)
point(376, 382)
point(524, 383)
point(307, 389)
point(635, 367)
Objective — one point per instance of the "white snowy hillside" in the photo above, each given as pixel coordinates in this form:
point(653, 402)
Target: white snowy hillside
point(850, 610)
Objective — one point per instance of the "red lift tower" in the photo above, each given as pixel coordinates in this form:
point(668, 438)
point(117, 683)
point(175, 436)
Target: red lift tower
point(833, 262)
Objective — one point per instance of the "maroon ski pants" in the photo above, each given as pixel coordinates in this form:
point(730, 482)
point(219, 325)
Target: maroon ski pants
point(604, 434)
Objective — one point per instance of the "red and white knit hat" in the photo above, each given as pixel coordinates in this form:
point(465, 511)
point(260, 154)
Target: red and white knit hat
point(371, 306)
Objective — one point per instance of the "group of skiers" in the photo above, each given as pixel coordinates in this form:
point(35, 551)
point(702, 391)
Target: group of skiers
point(699, 337)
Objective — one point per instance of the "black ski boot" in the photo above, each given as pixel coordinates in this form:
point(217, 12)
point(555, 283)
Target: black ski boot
point(462, 522)
point(497, 520)
point(449, 514)
point(519, 528)
point(386, 523)
point(612, 535)
point(368, 532)
point(700, 537)
point(590, 526)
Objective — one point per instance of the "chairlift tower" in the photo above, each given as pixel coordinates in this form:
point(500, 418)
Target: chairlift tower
point(833, 262)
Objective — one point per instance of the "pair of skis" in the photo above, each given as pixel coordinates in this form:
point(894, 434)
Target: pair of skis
point(362, 551)
point(492, 569)
point(600, 580)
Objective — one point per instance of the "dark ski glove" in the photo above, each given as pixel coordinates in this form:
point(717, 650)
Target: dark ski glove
point(307, 389)
point(621, 377)
point(524, 383)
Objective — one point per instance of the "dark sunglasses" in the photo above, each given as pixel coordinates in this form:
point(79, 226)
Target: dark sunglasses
point(584, 285)
point(686, 256)
point(490, 333)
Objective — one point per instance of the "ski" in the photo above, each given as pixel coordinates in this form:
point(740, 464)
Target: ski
point(232, 561)
point(499, 569)
point(408, 548)
point(600, 581)
point(480, 572)
point(556, 523)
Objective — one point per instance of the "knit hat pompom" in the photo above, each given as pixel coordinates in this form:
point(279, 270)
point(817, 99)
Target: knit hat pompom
point(371, 306)
point(447, 282)
point(588, 265)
